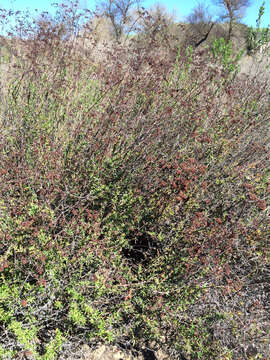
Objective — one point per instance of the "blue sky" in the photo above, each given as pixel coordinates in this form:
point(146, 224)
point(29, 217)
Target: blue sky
point(182, 8)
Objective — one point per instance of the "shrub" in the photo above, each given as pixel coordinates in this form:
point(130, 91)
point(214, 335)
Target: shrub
point(135, 200)
point(257, 37)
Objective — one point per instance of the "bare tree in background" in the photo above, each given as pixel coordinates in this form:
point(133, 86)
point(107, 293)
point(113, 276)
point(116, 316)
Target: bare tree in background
point(118, 11)
point(158, 22)
point(201, 24)
point(232, 11)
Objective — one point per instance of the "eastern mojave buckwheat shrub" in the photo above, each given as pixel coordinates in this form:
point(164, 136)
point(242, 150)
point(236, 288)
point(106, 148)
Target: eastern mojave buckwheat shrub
point(134, 202)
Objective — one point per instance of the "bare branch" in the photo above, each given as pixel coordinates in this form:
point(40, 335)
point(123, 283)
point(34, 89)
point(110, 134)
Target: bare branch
point(232, 11)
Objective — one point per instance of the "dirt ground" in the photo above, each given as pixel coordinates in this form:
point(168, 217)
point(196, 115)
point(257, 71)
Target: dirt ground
point(103, 352)
point(257, 65)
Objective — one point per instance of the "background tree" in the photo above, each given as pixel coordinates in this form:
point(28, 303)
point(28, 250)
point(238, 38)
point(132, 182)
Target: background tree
point(119, 13)
point(158, 25)
point(232, 11)
point(200, 25)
